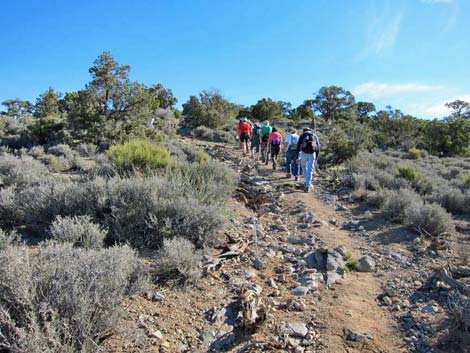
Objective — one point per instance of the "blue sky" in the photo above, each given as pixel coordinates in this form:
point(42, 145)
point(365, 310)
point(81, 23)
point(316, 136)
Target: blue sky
point(411, 54)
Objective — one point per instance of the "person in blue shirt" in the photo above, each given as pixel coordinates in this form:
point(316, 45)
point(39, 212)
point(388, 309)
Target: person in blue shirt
point(290, 149)
point(308, 151)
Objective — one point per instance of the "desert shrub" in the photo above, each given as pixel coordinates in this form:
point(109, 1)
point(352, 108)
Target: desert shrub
point(21, 171)
point(466, 179)
point(78, 230)
point(204, 132)
point(86, 149)
point(224, 136)
point(103, 167)
point(36, 151)
point(7, 238)
point(414, 153)
point(396, 202)
point(63, 299)
point(56, 164)
point(8, 207)
point(61, 150)
point(407, 172)
point(146, 210)
point(38, 206)
point(178, 258)
point(452, 199)
point(202, 156)
point(430, 219)
point(140, 155)
point(459, 308)
point(211, 183)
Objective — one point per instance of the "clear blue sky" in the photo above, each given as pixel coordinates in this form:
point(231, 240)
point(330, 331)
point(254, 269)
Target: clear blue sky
point(412, 54)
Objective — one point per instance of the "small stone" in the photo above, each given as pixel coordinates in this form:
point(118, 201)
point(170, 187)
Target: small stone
point(295, 329)
point(387, 301)
point(155, 334)
point(431, 308)
point(300, 291)
point(418, 283)
point(366, 264)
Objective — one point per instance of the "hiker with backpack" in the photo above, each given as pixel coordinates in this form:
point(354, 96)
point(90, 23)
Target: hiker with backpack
point(244, 135)
point(308, 151)
point(290, 149)
point(255, 142)
point(265, 131)
point(274, 145)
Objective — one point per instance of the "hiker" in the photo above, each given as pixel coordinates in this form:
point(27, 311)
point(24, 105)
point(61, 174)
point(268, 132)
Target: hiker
point(255, 142)
point(244, 135)
point(274, 145)
point(290, 150)
point(308, 151)
point(265, 131)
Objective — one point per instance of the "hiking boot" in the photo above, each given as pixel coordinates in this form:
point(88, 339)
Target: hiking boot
point(307, 189)
point(288, 175)
point(296, 178)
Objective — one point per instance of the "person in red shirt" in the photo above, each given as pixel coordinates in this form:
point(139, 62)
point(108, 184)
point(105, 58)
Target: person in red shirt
point(274, 145)
point(244, 135)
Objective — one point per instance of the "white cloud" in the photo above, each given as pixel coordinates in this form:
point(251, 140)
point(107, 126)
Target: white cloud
point(418, 99)
point(377, 90)
point(440, 109)
point(382, 33)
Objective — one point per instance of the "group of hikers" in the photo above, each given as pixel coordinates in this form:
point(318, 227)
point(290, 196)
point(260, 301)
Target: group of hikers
point(301, 152)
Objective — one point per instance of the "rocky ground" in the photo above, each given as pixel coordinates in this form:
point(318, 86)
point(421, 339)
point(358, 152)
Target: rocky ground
point(285, 280)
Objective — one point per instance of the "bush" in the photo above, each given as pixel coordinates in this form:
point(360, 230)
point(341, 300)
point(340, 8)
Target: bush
point(204, 132)
point(147, 210)
point(79, 230)
point(140, 155)
point(179, 258)
point(7, 238)
point(466, 179)
point(61, 150)
point(407, 172)
point(8, 207)
point(86, 149)
point(459, 307)
point(202, 156)
point(414, 153)
point(63, 299)
point(21, 171)
point(56, 164)
point(36, 151)
point(430, 219)
point(396, 203)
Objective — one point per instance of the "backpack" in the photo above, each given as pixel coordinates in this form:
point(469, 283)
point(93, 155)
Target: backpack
point(309, 143)
point(275, 142)
point(256, 133)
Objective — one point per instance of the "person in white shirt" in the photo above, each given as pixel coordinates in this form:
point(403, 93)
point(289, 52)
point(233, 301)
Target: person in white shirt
point(290, 149)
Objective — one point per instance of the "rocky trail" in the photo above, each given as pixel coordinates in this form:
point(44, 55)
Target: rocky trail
point(281, 280)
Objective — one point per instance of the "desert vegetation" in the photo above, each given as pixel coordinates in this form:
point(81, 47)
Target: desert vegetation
point(100, 195)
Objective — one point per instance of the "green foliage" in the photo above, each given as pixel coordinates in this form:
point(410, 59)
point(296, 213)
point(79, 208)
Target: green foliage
point(139, 155)
point(211, 109)
point(407, 172)
point(202, 156)
point(414, 153)
point(267, 109)
point(333, 103)
point(466, 179)
point(345, 143)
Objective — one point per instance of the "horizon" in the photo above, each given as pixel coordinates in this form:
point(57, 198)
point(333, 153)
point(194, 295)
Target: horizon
point(275, 50)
